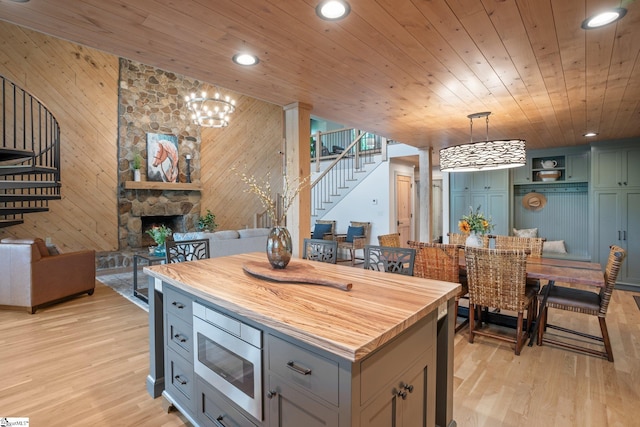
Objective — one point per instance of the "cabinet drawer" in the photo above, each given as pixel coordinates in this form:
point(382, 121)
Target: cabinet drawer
point(179, 379)
point(309, 370)
point(179, 336)
point(214, 410)
point(381, 369)
point(178, 304)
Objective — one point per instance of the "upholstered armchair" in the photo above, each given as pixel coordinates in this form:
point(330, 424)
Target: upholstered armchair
point(33, 277)
point(324, 229)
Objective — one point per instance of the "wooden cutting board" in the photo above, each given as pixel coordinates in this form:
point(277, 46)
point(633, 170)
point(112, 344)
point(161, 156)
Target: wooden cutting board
point(294, 273)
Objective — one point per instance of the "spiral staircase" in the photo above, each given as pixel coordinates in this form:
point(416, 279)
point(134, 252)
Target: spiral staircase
point(29, 155)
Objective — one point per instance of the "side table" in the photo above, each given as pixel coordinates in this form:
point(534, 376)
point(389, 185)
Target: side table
point(142, 292)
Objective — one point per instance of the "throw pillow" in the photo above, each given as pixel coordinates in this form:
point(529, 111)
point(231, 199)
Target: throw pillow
point(525, 232)
point(554, 246)
point(319, 230)
point(354, 232)
point(53, 250)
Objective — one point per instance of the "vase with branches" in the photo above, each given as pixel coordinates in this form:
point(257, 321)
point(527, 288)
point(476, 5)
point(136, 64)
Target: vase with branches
point(279, 245)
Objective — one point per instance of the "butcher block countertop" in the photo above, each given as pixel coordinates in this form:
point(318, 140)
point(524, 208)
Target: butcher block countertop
point(350, 324)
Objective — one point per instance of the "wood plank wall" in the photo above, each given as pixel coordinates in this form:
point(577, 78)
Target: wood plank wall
point(80, 86)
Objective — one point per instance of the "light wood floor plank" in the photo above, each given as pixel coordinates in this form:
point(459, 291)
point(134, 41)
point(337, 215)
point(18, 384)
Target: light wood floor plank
point(84, 362)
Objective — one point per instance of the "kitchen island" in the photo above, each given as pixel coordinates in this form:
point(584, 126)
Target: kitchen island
point(378, 354)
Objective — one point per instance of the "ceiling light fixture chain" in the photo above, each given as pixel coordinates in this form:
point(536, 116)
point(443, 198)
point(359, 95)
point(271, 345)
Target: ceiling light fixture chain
point(213, 112)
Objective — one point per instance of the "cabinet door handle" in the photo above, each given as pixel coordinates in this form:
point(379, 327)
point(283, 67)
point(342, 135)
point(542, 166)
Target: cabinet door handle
point(618, 234)
point(299, 369)
point(624, 235)
point(180, 380)
point(402, 394)
point(407, 387)
point(180, 338)
point(619, 183)
point(177, 304)
point(218, 421)
point(271, 394)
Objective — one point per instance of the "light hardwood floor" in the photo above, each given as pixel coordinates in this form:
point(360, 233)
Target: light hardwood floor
point(84, 362)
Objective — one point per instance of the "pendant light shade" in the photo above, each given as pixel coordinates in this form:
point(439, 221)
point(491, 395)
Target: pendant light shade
point(486, 155)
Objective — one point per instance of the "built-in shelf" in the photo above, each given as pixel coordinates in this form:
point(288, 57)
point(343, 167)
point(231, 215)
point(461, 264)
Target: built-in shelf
point(153, 185)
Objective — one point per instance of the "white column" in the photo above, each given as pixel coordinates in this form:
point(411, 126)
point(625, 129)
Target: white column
point(425, 158)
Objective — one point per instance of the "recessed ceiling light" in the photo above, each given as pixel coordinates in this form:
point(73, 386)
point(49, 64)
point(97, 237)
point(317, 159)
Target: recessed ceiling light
point(590, 134)
point(245, 59)
point(333, 10)
point(603, 18)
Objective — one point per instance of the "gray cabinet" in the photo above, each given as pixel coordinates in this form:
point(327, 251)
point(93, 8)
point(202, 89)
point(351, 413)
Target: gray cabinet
point(489, 190)
point(616, 168)
point(577, 167)
point(178, 331)
point(403, 402)
point(215, 410)
point(616, 222)
point(303, 387)
point(616, 206)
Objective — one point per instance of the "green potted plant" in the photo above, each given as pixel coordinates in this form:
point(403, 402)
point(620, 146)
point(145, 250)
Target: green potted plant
point(159, 235)
point(136, 164)
point(207, 222)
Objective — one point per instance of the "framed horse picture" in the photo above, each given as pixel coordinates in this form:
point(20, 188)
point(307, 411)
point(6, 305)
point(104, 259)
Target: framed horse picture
point(162, 157)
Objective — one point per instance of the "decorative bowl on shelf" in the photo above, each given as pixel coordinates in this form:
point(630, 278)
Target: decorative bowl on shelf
point(550, 175)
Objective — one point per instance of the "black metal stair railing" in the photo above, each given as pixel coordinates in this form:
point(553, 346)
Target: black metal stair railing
point(29, 155)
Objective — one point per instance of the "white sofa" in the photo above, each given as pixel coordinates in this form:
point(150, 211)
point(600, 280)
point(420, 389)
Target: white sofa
point(230, 242)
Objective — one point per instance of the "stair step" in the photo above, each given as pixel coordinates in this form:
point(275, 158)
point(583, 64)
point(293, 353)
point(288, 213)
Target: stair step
point(29, 184)
point(15, 155)
point(10, 222)
point(25, 169)
point(15, 211)
point(28, 197)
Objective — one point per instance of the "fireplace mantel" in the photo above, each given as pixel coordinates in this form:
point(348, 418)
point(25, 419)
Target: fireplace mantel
point(153, 185)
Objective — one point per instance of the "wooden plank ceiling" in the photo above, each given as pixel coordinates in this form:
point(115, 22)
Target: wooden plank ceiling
point(410, 70)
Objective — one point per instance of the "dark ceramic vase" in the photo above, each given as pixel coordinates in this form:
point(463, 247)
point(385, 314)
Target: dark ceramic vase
point(279, 247)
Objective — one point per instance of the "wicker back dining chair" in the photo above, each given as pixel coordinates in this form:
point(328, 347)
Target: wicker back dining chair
point(187, 250)
point(356, 238)
point(440, 261)
point(391, 240)
point(320, 250)
point(497, 278)
point(389, 259)
point(461, 239)
point(532, 244)
point(584, 302)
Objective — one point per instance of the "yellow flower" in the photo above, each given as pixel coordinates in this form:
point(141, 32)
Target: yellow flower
point(464, 226)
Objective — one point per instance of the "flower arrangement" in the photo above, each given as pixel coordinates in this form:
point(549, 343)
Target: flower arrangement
point(262, 189)
point(475, 222)
point(159, 234)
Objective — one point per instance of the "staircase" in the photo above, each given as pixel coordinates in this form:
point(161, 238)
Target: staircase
point(353, 155)
point(29, 155)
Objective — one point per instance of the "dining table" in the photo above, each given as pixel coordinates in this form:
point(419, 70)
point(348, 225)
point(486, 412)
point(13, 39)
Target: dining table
point(556, 270)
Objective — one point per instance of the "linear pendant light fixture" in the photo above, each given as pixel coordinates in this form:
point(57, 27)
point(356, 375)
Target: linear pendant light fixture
point(487, 155)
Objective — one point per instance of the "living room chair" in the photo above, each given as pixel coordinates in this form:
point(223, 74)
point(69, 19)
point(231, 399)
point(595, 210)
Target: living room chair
point(392, 240)
point(440, 261)
point(498, 278)
point(356, 238)
point(324, 229)
point(389, 259)
point(320, 250)
point(187, 250)
point(583, 302)
point(33, 276)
